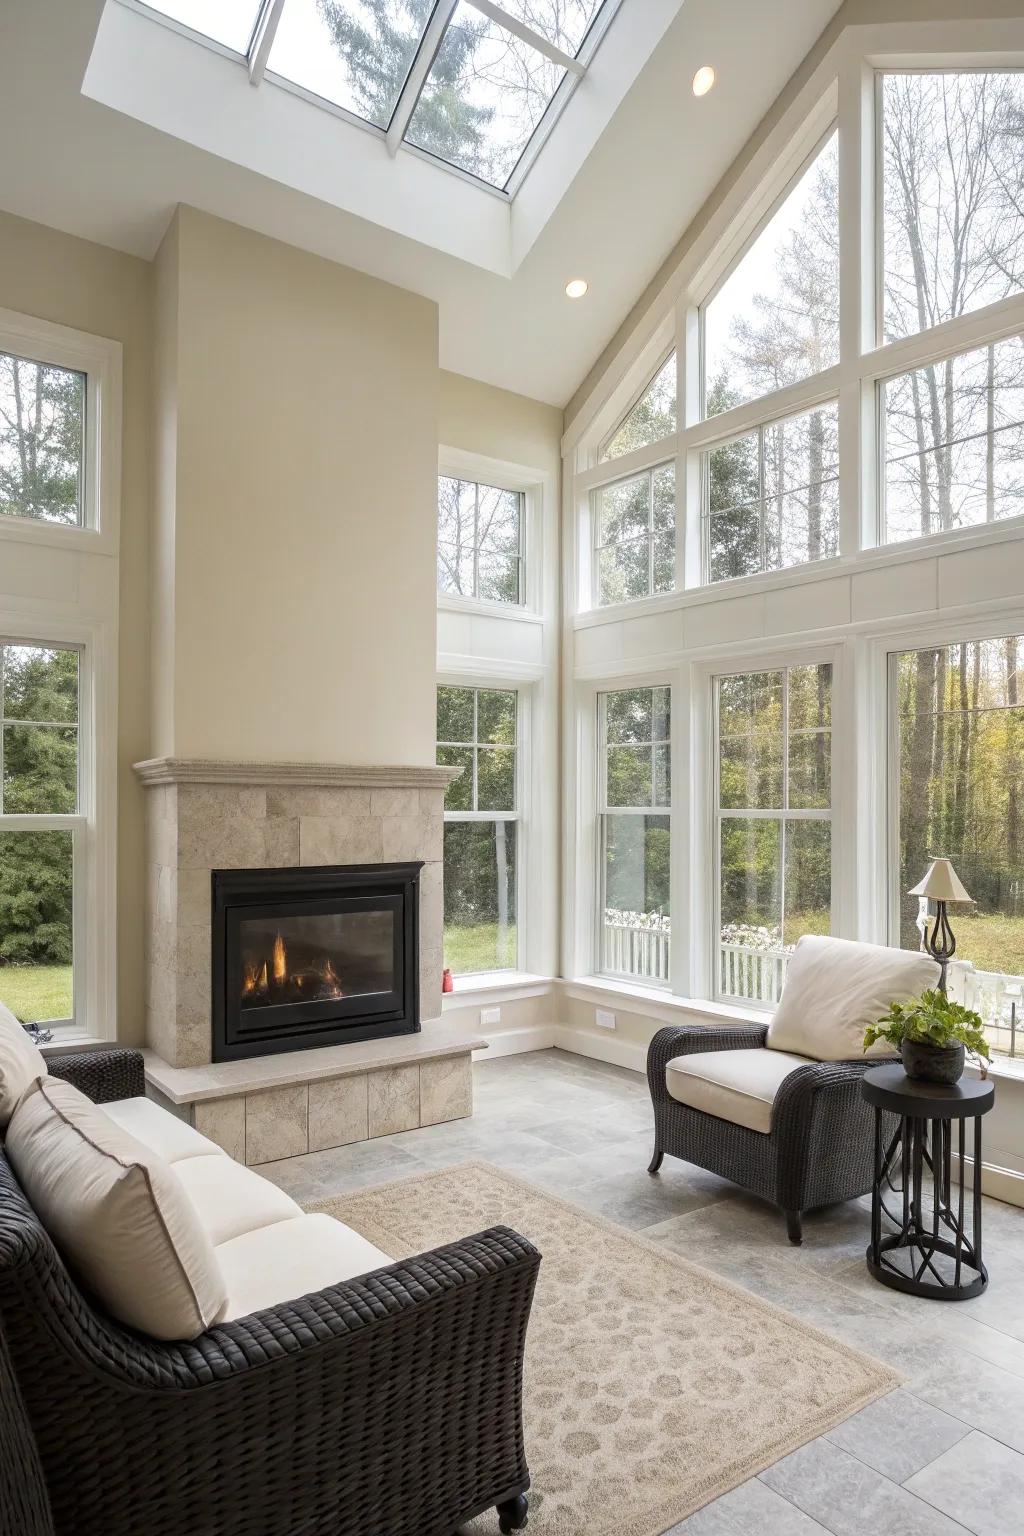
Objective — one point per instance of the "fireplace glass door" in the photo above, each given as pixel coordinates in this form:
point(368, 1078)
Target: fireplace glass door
point(300, 966)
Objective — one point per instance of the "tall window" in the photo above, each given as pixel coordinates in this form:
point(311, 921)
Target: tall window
point(41, 828)
point(775, 318)
point(42, 441)
point(773, 852)
point(477, 732)
point(958, 728)
point(635, 536)
point(772, 497)
point(636, 832)
point(479, 540)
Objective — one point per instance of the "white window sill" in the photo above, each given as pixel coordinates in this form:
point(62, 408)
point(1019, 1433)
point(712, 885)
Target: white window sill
point(494, 987)
point(659, 1003)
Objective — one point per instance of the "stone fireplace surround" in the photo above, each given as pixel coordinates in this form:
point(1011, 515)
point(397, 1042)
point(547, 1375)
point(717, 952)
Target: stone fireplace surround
point(204, 815)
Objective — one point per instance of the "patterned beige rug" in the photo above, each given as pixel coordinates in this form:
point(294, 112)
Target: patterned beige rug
point(651, 1386)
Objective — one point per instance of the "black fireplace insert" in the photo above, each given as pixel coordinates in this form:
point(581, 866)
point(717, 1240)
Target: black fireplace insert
point(307, 957)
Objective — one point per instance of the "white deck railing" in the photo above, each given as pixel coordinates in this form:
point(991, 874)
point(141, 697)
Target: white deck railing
point(636, 951)
point(755, 975)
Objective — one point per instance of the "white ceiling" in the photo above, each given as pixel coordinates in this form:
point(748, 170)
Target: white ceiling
point(82, 167)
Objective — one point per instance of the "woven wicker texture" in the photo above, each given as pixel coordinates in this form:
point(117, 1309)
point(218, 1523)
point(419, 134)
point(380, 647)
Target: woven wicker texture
point(387, 1406)
point(821, 1146)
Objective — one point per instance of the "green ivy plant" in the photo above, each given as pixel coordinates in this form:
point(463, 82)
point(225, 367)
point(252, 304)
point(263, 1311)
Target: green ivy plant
point(933, 1019)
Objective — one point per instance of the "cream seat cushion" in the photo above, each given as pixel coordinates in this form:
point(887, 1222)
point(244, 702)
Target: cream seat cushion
point(835, 989)
point(229, 1199)
point(160, 1131)
point(21, 1064)
point(733, 1085)
point(291, 1259)
point(117, 1213)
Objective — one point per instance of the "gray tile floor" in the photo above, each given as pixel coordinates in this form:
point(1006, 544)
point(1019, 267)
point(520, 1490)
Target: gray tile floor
point(944, 1454)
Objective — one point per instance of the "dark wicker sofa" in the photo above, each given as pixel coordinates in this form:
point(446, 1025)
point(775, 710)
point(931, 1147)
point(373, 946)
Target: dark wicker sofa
point(821, 1147)
point(386, 1406)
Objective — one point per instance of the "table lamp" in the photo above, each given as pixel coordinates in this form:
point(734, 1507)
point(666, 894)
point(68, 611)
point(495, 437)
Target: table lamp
point(941, 884)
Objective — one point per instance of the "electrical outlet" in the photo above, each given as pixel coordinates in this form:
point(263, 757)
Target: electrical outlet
point(490, 1016)
point(605, 1019)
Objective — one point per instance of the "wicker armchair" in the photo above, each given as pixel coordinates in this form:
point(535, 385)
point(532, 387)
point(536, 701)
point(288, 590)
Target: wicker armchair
point(386, 1406)
point(820, 1149)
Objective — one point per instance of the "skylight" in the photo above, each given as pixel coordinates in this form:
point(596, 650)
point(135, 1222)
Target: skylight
point(474, 84)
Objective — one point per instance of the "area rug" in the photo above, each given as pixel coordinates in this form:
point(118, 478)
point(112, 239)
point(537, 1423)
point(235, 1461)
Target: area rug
point(651, 1385)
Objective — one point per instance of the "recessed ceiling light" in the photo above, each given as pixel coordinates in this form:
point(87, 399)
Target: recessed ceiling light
point(703, 80)
point(577, 287)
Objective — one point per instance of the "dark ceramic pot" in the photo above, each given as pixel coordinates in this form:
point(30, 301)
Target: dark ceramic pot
point(932, 1064)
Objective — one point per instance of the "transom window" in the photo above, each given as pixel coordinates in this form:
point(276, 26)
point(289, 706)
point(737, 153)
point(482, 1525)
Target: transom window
point(635, 536)
point(772, 497)
point(773, 822)
point(477, 731)
point(41, 831)
point(652, 418)
point(476, 85)
point(479, 540)
point(775, 318)
point(42, 441)
point(635, 832)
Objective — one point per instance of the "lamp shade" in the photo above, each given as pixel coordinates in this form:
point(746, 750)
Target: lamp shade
point(941, 883)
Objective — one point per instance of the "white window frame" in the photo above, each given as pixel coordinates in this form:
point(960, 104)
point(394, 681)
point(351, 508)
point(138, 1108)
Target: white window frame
point(478, 682)
point(41, 341)
point(720, 814)
point(87, 622)
point(458, 464)
point(603, 810)
point(595, 559)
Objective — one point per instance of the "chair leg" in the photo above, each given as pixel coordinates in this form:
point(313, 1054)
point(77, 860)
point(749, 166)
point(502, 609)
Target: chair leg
point(794, 1227)
point(512, 1515)
point(657, 1160)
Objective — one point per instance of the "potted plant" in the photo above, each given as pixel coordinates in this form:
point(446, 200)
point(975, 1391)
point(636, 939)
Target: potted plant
point(933, 1035)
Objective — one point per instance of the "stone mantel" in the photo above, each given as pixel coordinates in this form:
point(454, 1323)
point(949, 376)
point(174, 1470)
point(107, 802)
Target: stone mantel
point(200, 770)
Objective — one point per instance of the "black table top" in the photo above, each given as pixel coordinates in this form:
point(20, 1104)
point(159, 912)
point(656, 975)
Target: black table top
point(891, 1088)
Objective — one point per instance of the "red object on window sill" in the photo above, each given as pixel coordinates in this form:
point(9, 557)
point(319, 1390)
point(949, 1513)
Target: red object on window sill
point(447, 985)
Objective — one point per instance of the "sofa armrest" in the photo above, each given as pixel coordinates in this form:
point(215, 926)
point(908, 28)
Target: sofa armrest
point(688, 1039)
point(102, 1076)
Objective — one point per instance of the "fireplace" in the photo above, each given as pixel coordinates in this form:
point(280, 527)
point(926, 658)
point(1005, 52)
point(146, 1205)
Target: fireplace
point(310, 957)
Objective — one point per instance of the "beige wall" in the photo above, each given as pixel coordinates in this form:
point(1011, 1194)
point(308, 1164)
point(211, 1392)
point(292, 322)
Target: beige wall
point(72, 282)
point(852, 13)
point(301, 478)
point(479, 418)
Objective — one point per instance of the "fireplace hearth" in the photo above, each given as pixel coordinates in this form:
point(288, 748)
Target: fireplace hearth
point(309, 957)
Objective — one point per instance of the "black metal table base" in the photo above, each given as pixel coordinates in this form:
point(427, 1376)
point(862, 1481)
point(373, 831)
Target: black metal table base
point(929, 1252)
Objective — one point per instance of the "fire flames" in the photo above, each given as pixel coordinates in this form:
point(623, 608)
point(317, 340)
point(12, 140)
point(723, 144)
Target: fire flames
point(274, 981)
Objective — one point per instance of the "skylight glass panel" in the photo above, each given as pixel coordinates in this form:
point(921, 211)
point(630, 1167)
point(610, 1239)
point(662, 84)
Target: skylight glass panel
point(230, 22)
point(484, 96)
point(563, 22)
point(354, 53)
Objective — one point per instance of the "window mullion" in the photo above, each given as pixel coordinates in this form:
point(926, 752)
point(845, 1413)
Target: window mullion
point(416, 79)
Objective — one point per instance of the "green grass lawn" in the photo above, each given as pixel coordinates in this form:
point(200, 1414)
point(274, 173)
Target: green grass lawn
point(476, 948)
point(993, 942)
point(37, 993)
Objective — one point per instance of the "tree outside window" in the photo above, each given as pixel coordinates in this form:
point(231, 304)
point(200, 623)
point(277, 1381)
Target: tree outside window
point(773, 822)
point(42, 441)
point(959, 722)
point(636, 832)
point(477, 732)
point(479, 540)
point(39, 689)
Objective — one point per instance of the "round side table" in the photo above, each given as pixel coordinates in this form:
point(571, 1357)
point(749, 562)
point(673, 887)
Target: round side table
point(928, 1250)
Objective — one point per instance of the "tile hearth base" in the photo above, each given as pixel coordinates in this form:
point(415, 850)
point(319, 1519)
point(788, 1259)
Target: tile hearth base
point(274, 1107)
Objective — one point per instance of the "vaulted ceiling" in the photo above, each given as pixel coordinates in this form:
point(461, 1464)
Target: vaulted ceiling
point(605, 200)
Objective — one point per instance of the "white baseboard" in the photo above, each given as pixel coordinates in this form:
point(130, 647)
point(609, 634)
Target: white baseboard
point(514, 1042)
point(602, 1045)
point(1004, 1184)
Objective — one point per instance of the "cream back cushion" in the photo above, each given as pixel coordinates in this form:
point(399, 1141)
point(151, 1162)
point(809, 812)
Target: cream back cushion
point(117, 1212)
point(835, 989)
point(21, 1064)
